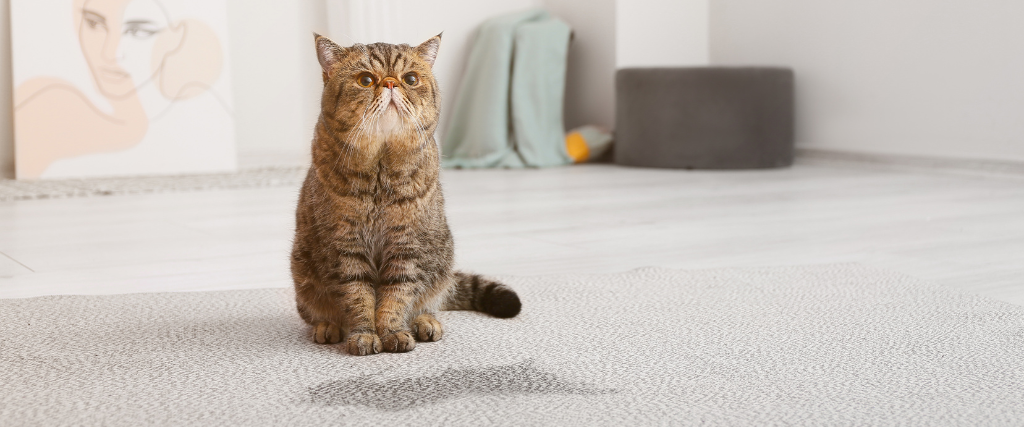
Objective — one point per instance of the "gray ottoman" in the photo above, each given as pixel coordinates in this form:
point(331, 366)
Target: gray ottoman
point(704, 118)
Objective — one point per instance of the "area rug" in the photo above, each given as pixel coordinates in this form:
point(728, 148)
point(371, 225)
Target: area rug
point(246, 178)
point(812, 345)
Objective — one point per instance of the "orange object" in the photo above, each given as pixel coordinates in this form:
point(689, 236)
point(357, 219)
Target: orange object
point(577, 147)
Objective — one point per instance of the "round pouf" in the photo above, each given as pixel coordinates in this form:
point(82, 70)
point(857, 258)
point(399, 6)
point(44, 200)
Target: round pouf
point(704, 117)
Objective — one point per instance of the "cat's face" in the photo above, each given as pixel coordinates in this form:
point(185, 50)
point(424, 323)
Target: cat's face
point(380, 93)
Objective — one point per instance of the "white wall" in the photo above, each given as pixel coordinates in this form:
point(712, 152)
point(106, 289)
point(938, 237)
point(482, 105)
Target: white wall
point(911, 77)
point(661, 33)
point(590, 83)
point(917, 77)
point(277, 81)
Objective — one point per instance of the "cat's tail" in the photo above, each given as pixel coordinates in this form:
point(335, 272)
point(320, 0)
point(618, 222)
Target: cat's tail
point(474, 292)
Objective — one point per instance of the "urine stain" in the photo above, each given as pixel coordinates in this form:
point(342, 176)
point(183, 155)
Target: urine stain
point(384, 394)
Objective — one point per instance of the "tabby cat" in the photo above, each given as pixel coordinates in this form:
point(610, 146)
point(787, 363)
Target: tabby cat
point(372, 257)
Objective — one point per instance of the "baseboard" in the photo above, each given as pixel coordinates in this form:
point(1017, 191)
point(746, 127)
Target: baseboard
point(985, 166)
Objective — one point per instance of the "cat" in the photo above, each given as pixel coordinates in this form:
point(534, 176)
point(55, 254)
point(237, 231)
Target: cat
point(372, 257)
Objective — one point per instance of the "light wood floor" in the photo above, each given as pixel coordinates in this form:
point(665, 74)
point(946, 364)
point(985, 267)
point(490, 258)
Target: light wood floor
point(961, 231)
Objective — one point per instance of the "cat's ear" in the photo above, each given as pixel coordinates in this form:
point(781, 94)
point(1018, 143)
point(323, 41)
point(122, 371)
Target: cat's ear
point(428, 50)
point(328, 53)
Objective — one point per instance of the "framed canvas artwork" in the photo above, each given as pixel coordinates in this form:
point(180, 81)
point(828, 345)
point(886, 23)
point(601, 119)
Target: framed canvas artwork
point(121, 87)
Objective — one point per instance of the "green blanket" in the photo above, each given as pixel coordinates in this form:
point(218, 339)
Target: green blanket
point(508, 112)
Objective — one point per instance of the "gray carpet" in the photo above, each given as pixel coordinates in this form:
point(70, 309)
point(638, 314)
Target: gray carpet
point(818, 345)
point(61, 188)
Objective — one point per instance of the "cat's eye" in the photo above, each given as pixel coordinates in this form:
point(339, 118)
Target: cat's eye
point(411, 79)
point(365, 80)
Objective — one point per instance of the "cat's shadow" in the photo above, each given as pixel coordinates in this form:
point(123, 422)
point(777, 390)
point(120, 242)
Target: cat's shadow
point(393, 394)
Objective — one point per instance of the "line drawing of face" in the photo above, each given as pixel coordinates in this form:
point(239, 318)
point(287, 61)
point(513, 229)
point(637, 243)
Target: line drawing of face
point(117, 38)
point(143, 22)
point(126, 45)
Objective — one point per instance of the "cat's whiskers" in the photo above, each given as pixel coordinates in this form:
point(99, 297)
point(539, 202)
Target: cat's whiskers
point(367, 122)
point(400, 117)
point(419, 129)
point(394, 123)
point(404, 106)
point(355, 135)
point(350, 145)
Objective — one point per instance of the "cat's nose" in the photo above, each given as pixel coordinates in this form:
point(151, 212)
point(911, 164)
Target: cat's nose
point(389, 82)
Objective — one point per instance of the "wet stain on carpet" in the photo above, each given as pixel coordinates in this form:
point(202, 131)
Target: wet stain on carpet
point(395, 394)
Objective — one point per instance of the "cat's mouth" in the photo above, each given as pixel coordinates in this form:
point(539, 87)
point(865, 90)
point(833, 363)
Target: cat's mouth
point(392, 102)
point(391, 119)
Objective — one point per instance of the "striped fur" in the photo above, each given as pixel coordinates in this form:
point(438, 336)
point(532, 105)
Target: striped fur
point(372, 256)
point(475, 292)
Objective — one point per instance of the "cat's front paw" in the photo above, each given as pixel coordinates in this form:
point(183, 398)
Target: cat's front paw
point(399, 342)
point(363, 344)
point(326, 333)
point(427, 328)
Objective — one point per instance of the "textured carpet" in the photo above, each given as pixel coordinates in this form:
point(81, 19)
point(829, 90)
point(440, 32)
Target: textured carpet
point(52, 189)
point(819, 345)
